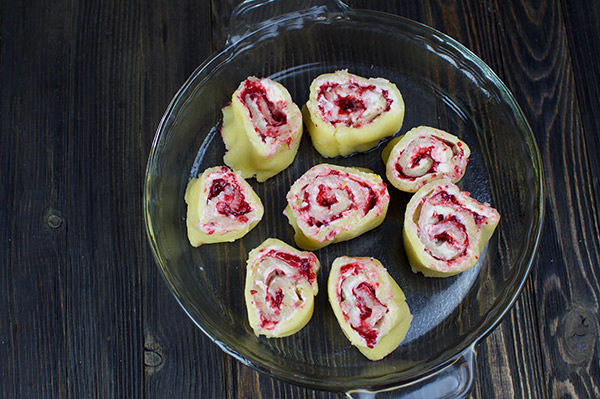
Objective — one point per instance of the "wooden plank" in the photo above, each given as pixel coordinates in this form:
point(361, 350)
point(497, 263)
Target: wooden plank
point(77, 243)
point(583, 27)
point(32, 195)
point(565, 276)
point(103, 289)
point(179, 360)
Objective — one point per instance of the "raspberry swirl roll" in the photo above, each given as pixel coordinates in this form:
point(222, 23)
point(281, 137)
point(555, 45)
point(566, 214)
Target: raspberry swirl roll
point(346, 113)
point(332, 203)
point(221, 207)
point(281, 283)
point(424, 154)
point(261, 129)
point(368, 304)
point(445, 230)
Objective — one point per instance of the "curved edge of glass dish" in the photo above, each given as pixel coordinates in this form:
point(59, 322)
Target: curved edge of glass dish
point(503, 303)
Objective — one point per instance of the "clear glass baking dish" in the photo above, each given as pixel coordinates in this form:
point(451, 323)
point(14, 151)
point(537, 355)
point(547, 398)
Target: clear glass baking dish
point(444, 85)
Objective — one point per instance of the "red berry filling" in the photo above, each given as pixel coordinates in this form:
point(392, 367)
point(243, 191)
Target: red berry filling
point(230, 198)
point(370, 307)
point(348, 101)
point(304, 265)
point(350, 104)
point(326, 197)
point(449, 230)
point(421, 153)
point(275, 298)
point(367, 303)
point(255, 92)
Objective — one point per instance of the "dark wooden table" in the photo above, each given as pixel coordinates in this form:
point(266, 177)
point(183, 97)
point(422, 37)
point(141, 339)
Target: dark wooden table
point(84, 312)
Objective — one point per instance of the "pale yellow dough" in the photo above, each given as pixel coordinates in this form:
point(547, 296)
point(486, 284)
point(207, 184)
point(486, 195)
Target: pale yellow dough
point(205, 225)
point(247, 152)
point(363, 130)
point(267, 275)
point(391, 326)
point(434, 257)
point(352, 222)
point(449, 153)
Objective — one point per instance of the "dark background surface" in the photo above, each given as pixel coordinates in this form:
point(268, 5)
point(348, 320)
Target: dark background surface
point(84, 312)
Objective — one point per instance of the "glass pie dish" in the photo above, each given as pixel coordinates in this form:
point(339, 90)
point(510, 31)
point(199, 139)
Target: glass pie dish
point(443, 85)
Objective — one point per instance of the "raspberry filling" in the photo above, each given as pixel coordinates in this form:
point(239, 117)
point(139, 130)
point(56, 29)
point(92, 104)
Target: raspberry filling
point(451, 233)
point(267, 117)
point(282, 280)
point(352, 104)
point(369, 305)
point(230, 198)
point(274, 297)
point(267, 324)
point(363, 309)
point(445, 197)
point(425, 155)
point(303, 265)
point(444, 229)
point(327, 196)
point(415, 162)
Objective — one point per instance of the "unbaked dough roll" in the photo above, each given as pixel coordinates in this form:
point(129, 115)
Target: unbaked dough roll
point(221, 207)
point(281, 283)
point(346, 113)
point(424, 154)
point(330, 203)
point(261, 129)
point(368, 304)
point(445, 230)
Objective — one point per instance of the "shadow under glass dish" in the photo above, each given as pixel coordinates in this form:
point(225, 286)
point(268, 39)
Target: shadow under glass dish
point(444, 86)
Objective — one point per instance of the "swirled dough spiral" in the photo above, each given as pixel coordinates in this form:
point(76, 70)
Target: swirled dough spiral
point(330, 203)
point(368, 304)
point(221, 206)
point(281, 283)
point(262, 128)
point(346, 113)
point(445, 230)
point(424, 154)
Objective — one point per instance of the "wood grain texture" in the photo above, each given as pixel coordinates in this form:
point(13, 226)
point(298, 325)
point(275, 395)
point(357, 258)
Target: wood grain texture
point(103, 287)
point(75, 139)
point(565, 276)
point(84, 311)
point(582, 25)
point(179, 360)
point(33, 319)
